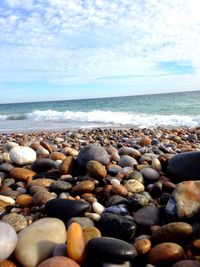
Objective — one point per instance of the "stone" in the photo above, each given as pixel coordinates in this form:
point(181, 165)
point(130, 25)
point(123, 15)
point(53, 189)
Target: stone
point(43, 182)
point(187, 263)
point(8, 200)
point(90, 232)
point(75, 236)
point(83, 221)
point(155, 164)
point(92, 152)
point(124, 264)
point(36, 188)
point(24, 200)
point(150, 174)
point(96, 169)
point(165, 253)
point(57, 156)
point(86, 186)
point(119, 190)
point(93, 216)
point(118, 209)
point(65, 209)
point(145, 141)
point(59, 261)
point(116, 200)
point(147, 216)
point(114, 181)
point(137, 201)
point(37, 241)
point(185, 166)
point(22, 155)
point(172, 232)
point(66, 166)
point(42, 153)
point(6, 167)
point(130, 151)
point(98, 208)
point(43, 164)
point(8, 240)
point(127, 161)
point(60, 250)
point(100, 249)
point(42, 197)
point(117, 226)
point(134, 186)
point(17, 221)
point(60, 186)
point(7, 263)
point(47, 146)
point(22, 174)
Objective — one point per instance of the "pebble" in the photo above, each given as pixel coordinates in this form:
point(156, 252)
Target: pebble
point(145, 141)
point(187, 263)
point(57, 156)
point(22, 174)
point(98, 208)
point(150, 174)
point(147, 216)
point(43, 164)
point(7, 263)
point(37, 241)
point(116, 200)
point(165, 253)
point(90, 232)
point(92, 152)
point(60, 250)
point(86, 186)
point(93, 216)
point(118, 209)
point(127, 161)
point(125, 264)
point(65, 209)
point(60, 186)
point(83, 221)
point(8, 240)
point(24, 200)
point(134, 186)
point(119, 190)
point(66, 166)
point(22, 155)
point(75, 236)
point(6, 167)
point(43, 182)
point(42, 197)
point(17, 221)
point(96, 169)
point(142, 246)
point(59, 261)
point(6, 199)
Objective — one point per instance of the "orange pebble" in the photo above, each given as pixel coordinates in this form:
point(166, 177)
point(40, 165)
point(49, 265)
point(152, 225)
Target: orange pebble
point(196, 243)
point(24, 200)
point(75, 242)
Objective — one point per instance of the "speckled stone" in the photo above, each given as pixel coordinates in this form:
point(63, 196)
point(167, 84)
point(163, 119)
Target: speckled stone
point(42, 197)
point(17, 221)
point(134, 186)
point(92, 152)
point(165, 253)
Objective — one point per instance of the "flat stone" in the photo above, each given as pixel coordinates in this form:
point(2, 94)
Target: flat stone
point(127, 161)
point(185, 166)
point(42, 197)
point(134, 186)
point(100, 249)
point(22, 174)
point(172, 232)
point(187, 263)
point(59, 261)
point(92, 152)
point(65, 209)
point(96, 169)
point(86, 186)
point(17, 221)
point(117, 226)
point(150, 174)
point(118, 209)
point(147, 216)
point(37, 241)
point(23, 155)
point(60, 186)
point(43, 164)
point(8, 240)
point(165, 253)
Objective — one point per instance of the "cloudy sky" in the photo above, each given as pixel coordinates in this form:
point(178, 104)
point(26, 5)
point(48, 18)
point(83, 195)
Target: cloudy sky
point(65, 49)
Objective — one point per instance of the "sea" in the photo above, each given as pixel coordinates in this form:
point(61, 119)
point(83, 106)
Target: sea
point(168, 109)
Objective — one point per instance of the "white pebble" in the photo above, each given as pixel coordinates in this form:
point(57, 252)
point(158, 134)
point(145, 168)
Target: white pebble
point(98, 208)
point(115, 182)
point(7, 199)
point(93, 216)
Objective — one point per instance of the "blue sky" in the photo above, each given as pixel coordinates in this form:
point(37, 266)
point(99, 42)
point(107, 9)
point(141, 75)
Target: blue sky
point(66, 49)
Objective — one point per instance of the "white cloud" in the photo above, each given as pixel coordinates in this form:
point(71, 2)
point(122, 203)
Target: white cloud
point(73, 40)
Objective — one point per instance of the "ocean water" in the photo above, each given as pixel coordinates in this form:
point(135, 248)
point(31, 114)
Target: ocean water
point(172, 109)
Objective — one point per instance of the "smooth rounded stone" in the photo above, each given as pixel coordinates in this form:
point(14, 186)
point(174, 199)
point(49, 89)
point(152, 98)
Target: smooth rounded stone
point(90, 232)
point(119, 190)
point(23, 155)
point(24, 200)
point(125, 264)
point(75, 236)
point(8, 182)
point(93, 216)
point(172, 232)
point(145, 141)
point(43, 182)
point(37, 241)
point(59, 261)
point(43, 164)
point(136, 175)
point(185, 202)
point(83, 221)
point(155, 164)
point(6, 199)
point(147, 216)
point(65, 209)
point(114, 156)
point(60, 186)
point(116, 200)
point(60, 250)
point(114, 169)
point(70, 152)
point(66, 166)
point(118, 209)
point(22, 174)
point(117, 226)
point(114, 181)
point(185, 166)
point(7, 263)
point(130, 151)
point(134, 186)
point(96, 169)
point(6, 157)
point(57, 156)
point(6, 167)
point(9, 145)
point(42, 197)
point(8, 240)
point(92, 152)
point(137, 201)
point(150, 174)
point(98, 208)
point(86, 186)
point(165, 253)
point(187, 263)
point(142, 245)
point(42, 152)
point(36, 188)
point(47, 146)
point(100, 249)
point(17, 221)
point(127, 161)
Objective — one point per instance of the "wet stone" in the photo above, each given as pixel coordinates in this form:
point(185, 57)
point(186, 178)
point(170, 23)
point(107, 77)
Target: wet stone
point(86, 186)
point(150, 174)
point(117, 209)
point(83, 221)
point(137, 201)
point(60, 186)
point(147, 216)
point(6, 167)
point(96, 169)
point(43, 164)
point(116, 200)
point(187, 263)
point(127, 161)
point(17, 221)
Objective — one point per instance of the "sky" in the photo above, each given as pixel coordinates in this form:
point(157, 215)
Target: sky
point(68, 49)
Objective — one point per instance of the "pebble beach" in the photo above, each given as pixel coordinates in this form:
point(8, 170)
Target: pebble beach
point(101, 197)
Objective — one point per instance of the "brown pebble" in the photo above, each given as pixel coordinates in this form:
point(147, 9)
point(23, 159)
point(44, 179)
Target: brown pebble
point(119, 190)
point(21, 173)
point(142, 245)
point(67, 165)
point(86, 186)
point(145, 141)
point(96, 169)
point(59, 261)
point(7, 263)
point(24, 200)
point(57, 156)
